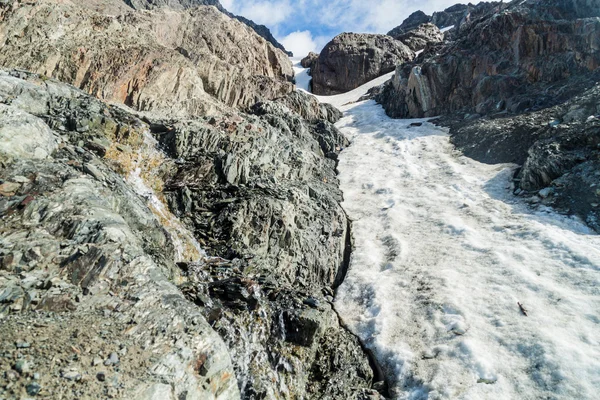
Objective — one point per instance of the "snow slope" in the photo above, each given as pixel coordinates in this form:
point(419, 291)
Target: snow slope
point(443, 254)
point(301, 74)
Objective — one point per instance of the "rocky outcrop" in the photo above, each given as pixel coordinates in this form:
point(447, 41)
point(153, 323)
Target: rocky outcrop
point(309, 60)
point(512, 61)
point(86, 185)
point(352, 59)
point(413, 21)
point(461, 14)
point(514, 86)
point(174, 62)
point(261, 190)
point(558, 148)
point(87, 272)
point(418, 38)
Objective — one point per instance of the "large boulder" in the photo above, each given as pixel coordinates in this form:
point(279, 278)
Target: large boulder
point(191, 62)
point(352, 59)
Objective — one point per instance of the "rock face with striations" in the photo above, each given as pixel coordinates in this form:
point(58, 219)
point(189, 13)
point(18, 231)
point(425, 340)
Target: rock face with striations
point(85, 261)
point(258, 191)
point(174, 62)
point(352, 59)
point(521, 58)
point(185, 4)
point(118, 207)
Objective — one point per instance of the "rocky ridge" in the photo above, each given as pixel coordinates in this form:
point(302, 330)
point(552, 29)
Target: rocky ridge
point(211, 152)
point(185, 4)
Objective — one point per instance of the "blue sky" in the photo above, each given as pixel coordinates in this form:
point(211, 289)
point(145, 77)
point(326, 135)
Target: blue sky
point(307, 25)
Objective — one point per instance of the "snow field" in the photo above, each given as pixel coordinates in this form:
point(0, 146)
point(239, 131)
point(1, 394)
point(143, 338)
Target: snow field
point(443, 255)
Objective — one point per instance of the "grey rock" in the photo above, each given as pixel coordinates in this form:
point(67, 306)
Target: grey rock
point(72, 376)
point(179, 63)
point(418, 38)
point(113, 359)
point(413, 21)
point(351, 59)
point(106, 236)
point(33, 389)
point(22, 367)
point(309, 60)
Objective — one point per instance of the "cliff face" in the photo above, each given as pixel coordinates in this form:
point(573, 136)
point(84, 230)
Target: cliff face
point(83, 248)
point(175, 62)
point(184, 4)
point(512, 60)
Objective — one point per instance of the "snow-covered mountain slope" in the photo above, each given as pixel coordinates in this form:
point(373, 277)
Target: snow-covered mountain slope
point(443, 256)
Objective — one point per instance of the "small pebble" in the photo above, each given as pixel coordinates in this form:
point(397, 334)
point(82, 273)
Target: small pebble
point(33, 389)
point(101, 376)
point(21, 366)
point(113, 359)
point(22, 345)
point(72, 376)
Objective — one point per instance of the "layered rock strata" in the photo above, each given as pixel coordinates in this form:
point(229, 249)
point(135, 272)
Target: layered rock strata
point(178, 63)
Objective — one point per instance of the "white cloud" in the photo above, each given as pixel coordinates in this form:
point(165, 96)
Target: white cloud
point(299, 43)
point(336, 16)
point(270, 13)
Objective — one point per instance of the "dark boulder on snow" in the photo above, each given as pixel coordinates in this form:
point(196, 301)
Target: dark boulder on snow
point(352, 59)
point(309, 60)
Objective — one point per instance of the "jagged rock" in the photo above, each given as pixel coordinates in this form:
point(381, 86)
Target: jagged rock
point(262, 189)
point(413, 21)
point(259, 190)
point(174, 62)
point(460, 14)
point(24, 135)
point(419, 37)
point(352, 59)
point(90, 257)
point(303, 104)
point(503, 79)
point(563, 156)
point(309, 60)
